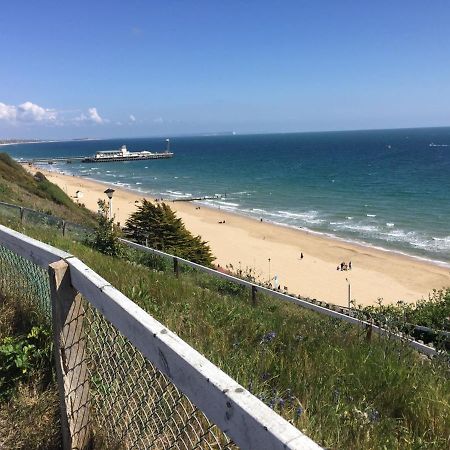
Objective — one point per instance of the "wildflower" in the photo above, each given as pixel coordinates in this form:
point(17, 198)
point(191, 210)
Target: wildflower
point(299, 411)
point(374, 415)
point(268, 337)
point(336, 394)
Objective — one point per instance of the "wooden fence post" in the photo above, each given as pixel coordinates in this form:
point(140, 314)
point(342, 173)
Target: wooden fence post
point(21, 215)
point(369, 331)
point(254, 290)
point(70, 357)
point(176, 269)
point(64, 228)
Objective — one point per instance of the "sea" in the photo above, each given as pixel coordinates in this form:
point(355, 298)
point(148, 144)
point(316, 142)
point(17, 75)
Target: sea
point(385, 188)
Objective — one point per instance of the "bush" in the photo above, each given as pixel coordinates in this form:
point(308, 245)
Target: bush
point(106, 235)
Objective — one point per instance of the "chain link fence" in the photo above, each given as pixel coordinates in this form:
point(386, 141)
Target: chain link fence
point(132, 405)
point(13, 214)
point(135, 404)
point(114, 396)
point(25, 282)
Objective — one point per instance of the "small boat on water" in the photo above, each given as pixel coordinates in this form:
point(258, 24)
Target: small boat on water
point(123, 154)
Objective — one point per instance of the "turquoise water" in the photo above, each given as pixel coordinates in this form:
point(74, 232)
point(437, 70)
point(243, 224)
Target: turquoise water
point(387, 188)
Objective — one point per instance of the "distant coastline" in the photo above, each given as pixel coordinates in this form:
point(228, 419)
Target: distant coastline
point(6, 142)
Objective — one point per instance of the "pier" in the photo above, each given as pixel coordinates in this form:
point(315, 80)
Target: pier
point(68, 160)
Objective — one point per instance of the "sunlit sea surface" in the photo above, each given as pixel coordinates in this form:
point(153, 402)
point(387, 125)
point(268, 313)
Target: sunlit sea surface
point(386, 188)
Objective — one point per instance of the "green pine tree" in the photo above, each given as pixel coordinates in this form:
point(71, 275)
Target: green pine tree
point(157, 226)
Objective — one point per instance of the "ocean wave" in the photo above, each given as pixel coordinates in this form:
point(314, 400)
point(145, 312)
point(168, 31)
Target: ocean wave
point(248, 193)
point(258, 210)
point(176, 194)
point(371, 215)
point(224, 203)
point(307, 216)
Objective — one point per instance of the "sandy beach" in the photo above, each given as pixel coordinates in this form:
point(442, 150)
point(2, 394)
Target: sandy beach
point(245, 243)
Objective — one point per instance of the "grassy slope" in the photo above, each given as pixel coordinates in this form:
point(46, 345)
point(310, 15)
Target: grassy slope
point(29, 418)
point(17, 186)
point(319, 373)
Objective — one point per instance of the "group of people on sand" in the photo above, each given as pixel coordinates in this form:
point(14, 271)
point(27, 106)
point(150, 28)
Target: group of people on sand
point(344, 266)
point(221, 221)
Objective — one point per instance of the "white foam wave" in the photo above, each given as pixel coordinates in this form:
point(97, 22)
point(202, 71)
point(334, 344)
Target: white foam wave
point(226, 203)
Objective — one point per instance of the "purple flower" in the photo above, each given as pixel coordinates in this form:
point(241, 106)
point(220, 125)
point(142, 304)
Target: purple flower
point(268, 337)
point(299, 411)
point(374, 415)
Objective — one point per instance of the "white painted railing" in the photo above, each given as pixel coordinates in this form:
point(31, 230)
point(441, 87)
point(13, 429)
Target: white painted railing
point(241, 416)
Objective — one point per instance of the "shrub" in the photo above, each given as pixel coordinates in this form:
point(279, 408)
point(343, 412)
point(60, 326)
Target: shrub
point(106, 235)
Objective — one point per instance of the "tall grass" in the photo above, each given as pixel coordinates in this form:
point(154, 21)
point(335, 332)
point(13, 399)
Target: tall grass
point(319, 373)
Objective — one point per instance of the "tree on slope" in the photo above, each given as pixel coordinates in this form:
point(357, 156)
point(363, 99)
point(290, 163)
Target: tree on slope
point(157, 226)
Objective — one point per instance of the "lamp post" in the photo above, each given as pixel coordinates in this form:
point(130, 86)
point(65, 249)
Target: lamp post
point(349, 292)
point(109, 192)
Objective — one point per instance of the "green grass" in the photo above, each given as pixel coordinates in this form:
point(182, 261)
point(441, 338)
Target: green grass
point(29, 407)
point(17, 186)
point(319, 373)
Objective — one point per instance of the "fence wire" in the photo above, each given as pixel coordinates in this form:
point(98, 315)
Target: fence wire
point(24, 281)
point(136, 405)
point(126, 402)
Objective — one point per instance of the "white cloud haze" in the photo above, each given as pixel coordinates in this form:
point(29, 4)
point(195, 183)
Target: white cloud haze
point(95, 116)
point(27, 112)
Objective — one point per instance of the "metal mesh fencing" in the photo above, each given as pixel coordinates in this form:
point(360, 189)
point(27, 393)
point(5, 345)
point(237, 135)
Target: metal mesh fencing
point(77, 232)
point(24, 281)
point(13, 214)
point(9, 212)
point(135, 406)
point(112, 389)
point(42, 219)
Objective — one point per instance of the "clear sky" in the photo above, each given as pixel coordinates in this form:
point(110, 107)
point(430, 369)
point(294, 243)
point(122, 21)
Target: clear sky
point(106, 68)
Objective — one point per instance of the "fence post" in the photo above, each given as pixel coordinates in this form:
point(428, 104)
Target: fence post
point(176, 270)
point(369, 331)
point(254, 290)
point(21, 215)
point(70, 357)
point(64, 227)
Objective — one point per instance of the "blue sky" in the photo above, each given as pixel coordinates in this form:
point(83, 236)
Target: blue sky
point(142, 68)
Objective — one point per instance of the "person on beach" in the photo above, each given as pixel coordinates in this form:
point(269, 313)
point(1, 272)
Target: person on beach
point(301, 255)
point(349, 265)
